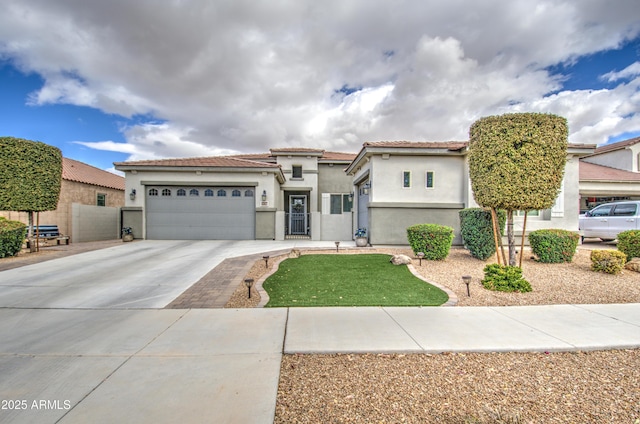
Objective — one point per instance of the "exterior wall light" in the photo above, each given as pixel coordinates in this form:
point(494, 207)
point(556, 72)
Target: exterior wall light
point(264, 195)
point(132, 195)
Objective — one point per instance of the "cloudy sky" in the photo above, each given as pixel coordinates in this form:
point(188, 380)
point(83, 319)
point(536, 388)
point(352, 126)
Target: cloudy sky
point(117, 80)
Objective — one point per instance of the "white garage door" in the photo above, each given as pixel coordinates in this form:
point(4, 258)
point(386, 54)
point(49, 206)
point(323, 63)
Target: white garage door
point(200, 213)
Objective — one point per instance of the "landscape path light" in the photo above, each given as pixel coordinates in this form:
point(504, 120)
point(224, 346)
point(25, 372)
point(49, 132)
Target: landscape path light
point(249, 282)
point(420, 256)
point(467, 280)
point(337, 245)
point(266, 261)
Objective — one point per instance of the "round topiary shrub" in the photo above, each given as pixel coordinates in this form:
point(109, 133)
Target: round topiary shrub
point(431, 239)
point(609, 261)
point(505, 278)
point(629, 243)
point(553, 245)
point(476, 229)
point(12, 234)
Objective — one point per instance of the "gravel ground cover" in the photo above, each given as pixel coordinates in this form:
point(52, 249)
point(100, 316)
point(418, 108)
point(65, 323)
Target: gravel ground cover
point(566, 387)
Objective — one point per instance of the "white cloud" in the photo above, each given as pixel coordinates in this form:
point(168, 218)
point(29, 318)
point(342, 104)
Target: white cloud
point(242, 75)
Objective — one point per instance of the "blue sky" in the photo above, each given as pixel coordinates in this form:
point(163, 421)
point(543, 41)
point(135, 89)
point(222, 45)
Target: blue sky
point(135, 81)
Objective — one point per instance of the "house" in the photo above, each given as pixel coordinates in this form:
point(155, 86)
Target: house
point(319, 195)
point(88, 207)
point(401, 183)
point(285, 193)
point(610, 173)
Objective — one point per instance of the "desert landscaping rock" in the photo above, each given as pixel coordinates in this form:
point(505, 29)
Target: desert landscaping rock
point(400, 260)
point(599, 386)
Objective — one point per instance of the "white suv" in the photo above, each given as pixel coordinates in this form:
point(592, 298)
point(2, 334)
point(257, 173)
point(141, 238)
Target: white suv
point(608, 220)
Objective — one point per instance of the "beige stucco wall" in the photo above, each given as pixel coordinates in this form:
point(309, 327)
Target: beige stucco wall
point(71, 192)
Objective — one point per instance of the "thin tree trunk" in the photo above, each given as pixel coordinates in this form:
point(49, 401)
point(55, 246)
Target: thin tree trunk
point(511, 239)
point(496, 232)
point(37, 231)
point(524, 230)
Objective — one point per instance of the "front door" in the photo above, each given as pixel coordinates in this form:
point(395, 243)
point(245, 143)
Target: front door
point(298, 214)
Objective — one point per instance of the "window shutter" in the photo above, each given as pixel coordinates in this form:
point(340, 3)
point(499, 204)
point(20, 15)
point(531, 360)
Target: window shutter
point(326, 203)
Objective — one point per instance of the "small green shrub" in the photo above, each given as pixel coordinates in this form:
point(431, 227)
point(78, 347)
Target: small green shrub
point(553, 245)
point(431, 239)
point(505, 279)
point(476, 229)
point(609, 261)
point(12, 234)
point(629, 243)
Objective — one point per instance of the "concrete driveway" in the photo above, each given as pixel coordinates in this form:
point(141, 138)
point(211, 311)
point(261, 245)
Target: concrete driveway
point(144, 274)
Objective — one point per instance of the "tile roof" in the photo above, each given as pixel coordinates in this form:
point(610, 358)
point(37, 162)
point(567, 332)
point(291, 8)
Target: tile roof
point(328, 156)
point(450, 145)
point(593, 172)
point(73, 170)
point(296, 150)
point(212, 161)
point(616, 146)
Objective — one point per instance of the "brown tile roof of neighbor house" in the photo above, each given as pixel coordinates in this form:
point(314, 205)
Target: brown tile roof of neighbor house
point(450, 145)
point(73, 170)
point(593, 172)
point(212, 161)
point(616, 146)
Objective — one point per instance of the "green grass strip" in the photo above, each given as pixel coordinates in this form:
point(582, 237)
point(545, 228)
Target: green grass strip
point(348, 280)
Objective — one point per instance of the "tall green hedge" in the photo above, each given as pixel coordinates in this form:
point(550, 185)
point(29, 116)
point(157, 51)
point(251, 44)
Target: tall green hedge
point(476, 229)
point(12, 234)
point(516, 161)
point(30, 175)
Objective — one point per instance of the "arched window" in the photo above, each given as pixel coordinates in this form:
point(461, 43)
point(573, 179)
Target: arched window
point(222, 193)
point(194, 192)
point(236, 193)
point(153, 192)
point(166, 192)
point(208, 193)
point(181, 192)
point(248, 193)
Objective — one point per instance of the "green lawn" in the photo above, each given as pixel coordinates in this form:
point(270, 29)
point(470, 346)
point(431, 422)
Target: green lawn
point(348, 280)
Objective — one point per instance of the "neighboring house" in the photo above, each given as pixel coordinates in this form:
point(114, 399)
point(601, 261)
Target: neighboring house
point(611, 173)
point(88, 207)
point(311, 193)
point(403, 183)
point(286, 193)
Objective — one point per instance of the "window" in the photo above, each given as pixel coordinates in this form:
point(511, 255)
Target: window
point(336, 204)
point(194, 192)
point(166, 192)
point(601, 211)
point(222, 193)
point(406, 179)
point(181, 192)
point(153, 192)
point(347, 203)
point(208, 193)
point(628, 209)
point(236, 193)
point(428, 179)
point(101, 199)
point(248, 193)
point(296, 171)
point(530, 213)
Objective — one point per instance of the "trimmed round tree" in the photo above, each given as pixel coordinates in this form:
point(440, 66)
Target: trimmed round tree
point(516, 162)
point(30, 176)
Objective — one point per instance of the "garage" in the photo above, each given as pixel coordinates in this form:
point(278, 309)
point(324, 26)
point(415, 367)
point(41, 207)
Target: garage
point(200, 213)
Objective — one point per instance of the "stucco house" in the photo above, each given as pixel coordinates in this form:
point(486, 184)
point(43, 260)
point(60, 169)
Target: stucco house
point(286, 193)
point(403, 183)
point(311, 193)
point(611, 172)
point(89, 203)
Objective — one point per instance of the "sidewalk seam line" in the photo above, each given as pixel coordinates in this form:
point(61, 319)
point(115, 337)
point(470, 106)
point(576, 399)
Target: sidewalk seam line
point(403, 329)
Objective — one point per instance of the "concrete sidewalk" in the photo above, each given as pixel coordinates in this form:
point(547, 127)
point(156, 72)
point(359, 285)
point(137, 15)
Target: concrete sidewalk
point(223, 365)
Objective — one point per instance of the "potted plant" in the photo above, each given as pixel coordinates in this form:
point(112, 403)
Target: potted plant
point(361, 237)
point(127, 234)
